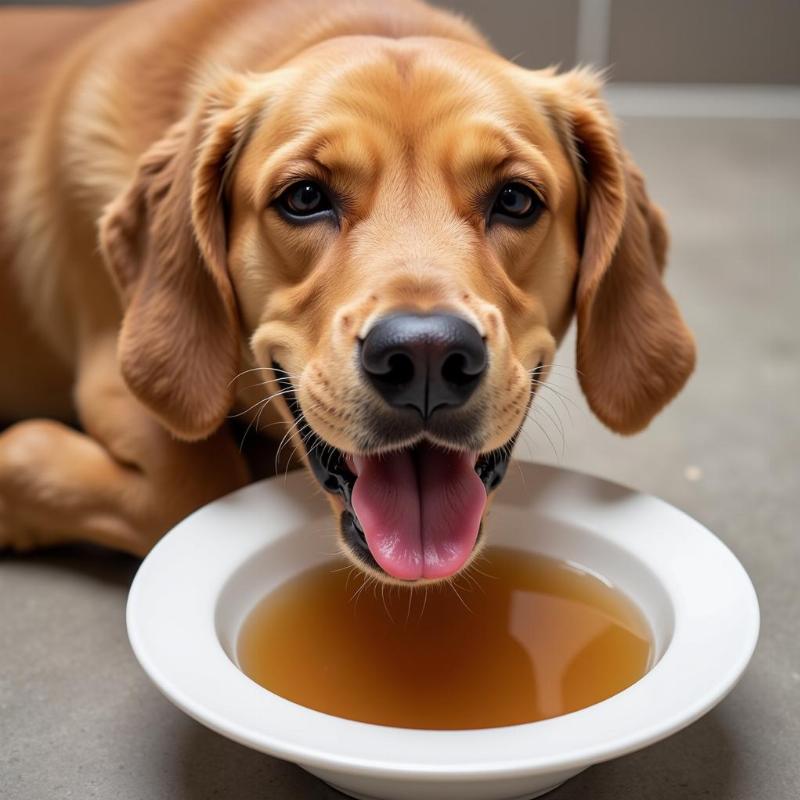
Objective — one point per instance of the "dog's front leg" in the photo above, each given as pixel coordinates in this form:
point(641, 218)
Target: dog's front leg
point(121, 483)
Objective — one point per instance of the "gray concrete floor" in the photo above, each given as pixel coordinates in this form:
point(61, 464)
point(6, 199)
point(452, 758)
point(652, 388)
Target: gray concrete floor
point(79, 719)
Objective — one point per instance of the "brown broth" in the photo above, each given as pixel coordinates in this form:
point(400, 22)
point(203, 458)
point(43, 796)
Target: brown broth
point(525, 639)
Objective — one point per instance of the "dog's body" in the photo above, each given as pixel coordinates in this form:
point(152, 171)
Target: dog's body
point(88, 92)
point(111, 120)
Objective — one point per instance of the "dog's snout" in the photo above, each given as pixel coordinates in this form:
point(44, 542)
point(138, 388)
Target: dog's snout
point(424, 361)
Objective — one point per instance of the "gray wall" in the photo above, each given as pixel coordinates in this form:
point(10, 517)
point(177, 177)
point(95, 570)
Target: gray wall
point(744, 41)
point(673, 41)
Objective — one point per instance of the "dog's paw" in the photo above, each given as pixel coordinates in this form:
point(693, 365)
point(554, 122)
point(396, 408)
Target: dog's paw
point(15, 535)
point(10, 529)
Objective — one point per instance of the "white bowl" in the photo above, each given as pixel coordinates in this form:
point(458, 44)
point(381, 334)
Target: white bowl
point(195, 588)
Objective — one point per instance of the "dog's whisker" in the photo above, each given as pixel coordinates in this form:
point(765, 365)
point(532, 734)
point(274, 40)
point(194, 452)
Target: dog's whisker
point(273, 424)
point(553, 376)
point(554, 387)
point(474, 583)
point(304, 437)
point(546, 434)
point(264, 383)
point(452, 585)
point(288, 375)
point(261, 369)
point(561, 395)
point(474, 566)
point(295, 448)
point(247, 410)
point(304, 433)
point(250, 425)
point(548, 367)
point(508, 448)
point(245, 372)
point(369, 580)
point(560, 430)
point(553, 408)
point(457, 578)
point(385, 606)
point(289, 464)
point(469, 581)
point(532, 451)
point(424, 603)
point(569, 369)
point(563, 405)
point(349, 576)
point(354, 597)
point(360, 586)
point(258, 419)
point(524, 440)
point(317, 441)
point(298, 448)
point(566, 391)
point(301, 420)
point(537, 378)
point(267, 399)
point(255, 421)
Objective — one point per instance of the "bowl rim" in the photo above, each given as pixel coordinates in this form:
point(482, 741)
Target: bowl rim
point(164, 598)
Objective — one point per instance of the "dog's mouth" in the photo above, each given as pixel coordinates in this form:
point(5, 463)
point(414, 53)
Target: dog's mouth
point(413, 513)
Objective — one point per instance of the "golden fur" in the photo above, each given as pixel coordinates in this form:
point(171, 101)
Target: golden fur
point(142, 270)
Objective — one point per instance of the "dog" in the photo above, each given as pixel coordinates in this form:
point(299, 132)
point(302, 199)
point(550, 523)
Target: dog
point(352, 223)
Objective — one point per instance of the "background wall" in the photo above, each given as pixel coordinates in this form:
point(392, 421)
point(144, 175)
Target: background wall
point(680, 41)
point(711, 41)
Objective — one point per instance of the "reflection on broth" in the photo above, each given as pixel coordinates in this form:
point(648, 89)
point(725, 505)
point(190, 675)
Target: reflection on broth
point(520, 638)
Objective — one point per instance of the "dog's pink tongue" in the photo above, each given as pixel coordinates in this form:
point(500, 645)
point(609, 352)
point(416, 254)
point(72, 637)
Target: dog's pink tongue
point(420, 512)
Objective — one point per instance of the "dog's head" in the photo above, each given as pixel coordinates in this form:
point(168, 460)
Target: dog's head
point(402, 231)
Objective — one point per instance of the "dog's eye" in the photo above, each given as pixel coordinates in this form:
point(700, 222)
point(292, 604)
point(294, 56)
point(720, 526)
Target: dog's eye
point(516, 203)
point(304, 199)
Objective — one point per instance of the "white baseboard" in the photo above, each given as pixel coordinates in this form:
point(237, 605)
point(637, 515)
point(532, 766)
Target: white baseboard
point(740, 101)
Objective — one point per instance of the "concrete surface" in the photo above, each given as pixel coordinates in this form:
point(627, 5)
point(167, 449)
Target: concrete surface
point(78, 719)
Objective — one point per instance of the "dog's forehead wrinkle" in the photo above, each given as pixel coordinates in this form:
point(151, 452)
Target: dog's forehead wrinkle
point(404, 63)
point(348, 154)
point(405, 84)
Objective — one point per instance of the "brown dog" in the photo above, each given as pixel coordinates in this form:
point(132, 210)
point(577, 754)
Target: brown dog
point(359, 205)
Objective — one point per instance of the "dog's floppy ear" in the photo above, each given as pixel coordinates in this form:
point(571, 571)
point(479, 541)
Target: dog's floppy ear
point(164, 241)
point(634, 350)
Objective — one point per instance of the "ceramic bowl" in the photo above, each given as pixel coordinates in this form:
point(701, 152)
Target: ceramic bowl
point(196, 587)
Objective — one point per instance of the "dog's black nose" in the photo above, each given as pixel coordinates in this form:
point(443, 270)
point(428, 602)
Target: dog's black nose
point(425, 361)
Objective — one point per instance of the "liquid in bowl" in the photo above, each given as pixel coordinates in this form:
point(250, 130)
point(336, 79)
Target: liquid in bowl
point(520, 638)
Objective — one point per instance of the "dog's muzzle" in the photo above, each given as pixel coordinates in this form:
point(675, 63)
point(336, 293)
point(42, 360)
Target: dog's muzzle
point(330, 468)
